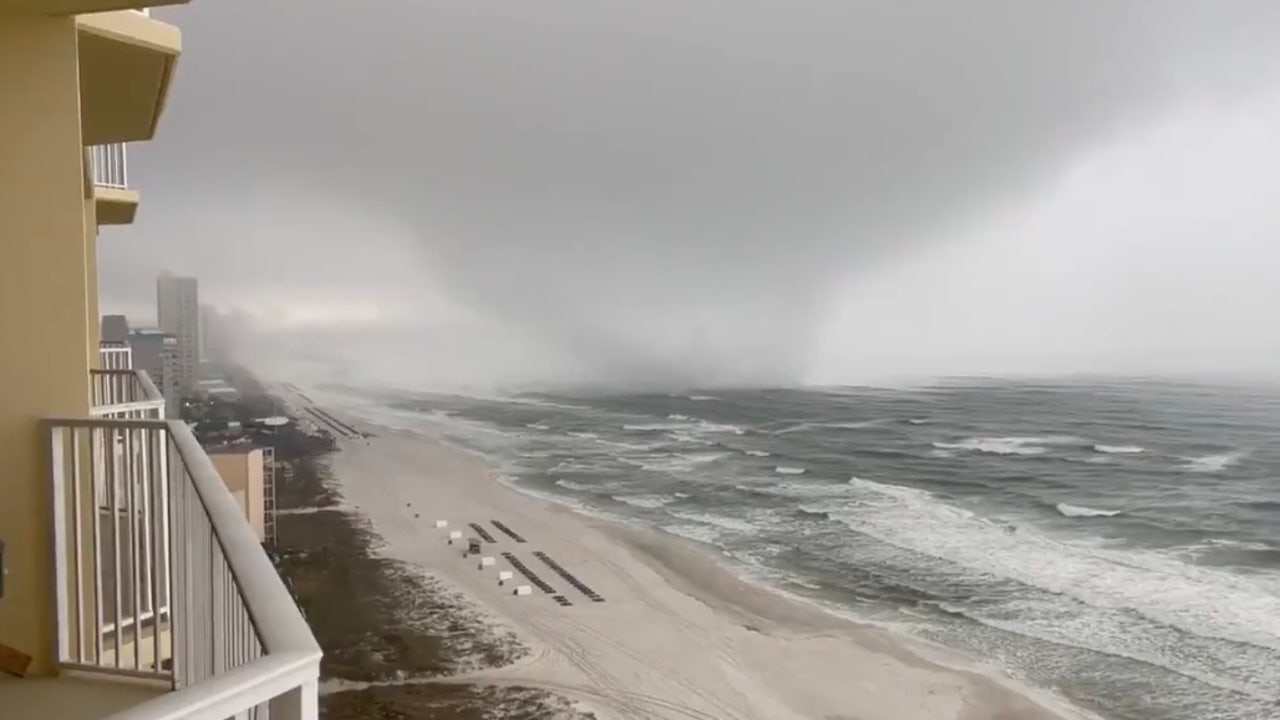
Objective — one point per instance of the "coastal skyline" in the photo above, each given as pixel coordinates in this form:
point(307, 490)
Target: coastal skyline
point(743, 193)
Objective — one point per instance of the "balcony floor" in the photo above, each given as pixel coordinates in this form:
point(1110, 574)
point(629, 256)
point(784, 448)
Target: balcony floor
point(69, 698)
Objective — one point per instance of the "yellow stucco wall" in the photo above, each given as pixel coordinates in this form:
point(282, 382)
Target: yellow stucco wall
point(91, 277)
point(44, 296)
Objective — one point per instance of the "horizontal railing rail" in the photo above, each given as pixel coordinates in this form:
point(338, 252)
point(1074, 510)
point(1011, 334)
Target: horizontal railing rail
point(110, 165)
point(160, 575)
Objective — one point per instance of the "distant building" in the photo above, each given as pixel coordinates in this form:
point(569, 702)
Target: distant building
point(157, 353)
point(216, 389)
point(249, 474)
point(178, 307)
point(202, 349)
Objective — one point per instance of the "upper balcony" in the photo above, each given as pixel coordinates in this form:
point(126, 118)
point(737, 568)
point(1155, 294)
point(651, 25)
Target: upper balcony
point(116, 202)
point(114, 355)
point(127, 59)
point(166, 605)
point(78, 7)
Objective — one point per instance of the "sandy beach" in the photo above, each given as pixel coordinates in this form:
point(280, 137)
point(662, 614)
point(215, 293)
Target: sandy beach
point(676, 635)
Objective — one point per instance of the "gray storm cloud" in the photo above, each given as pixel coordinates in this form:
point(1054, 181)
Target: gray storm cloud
point(664, 192)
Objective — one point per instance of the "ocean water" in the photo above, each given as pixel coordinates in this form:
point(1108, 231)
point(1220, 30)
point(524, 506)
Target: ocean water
point(1117, 543)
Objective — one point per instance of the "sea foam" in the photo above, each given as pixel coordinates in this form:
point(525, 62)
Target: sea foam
point(1119, 449)
point(650, 502)
point(1199, 600)
point(999, 445)
point(1079, 511)
point(1212, 463)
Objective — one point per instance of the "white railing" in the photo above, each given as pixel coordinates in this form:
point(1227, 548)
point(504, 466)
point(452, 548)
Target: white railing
point(269, 466)
point(110, 168)
point(115, 356)
point(160, 576)
point(124, 394)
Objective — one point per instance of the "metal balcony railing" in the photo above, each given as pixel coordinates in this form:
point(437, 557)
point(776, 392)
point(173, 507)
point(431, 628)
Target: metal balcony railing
point(110, 168)
point(115, 356)
point(159, 575)
point(124, 394)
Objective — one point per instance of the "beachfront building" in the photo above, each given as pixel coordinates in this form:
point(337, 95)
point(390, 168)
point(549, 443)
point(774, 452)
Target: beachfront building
point(249, 473)
point(156, 352)
point(133, 586)
point(178, 310)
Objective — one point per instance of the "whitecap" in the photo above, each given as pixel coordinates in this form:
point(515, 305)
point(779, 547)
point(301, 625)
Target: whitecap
point(1119, 449)
point(784, 470)
point(1079, 511)
point(1212, 463)
point(698, 533)
point(798, 490)
point(675, 463)
point(650, 502)
point(1006, 445)
point(757, 453)
point(720, 521)
point(570, 485)
point(683, 423)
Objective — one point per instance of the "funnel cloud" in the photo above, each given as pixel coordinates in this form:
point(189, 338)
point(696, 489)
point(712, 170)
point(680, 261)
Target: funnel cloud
point(696, 193)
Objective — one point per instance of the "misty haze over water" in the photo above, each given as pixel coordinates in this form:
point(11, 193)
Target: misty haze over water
point(745, 193)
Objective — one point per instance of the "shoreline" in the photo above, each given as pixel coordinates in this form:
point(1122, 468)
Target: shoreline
point(679, 590)
point(391, 634)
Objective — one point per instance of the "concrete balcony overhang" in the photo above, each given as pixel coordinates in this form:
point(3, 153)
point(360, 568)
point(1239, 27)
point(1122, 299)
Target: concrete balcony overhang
point(126, 63)
point(115, 206)
point(77, 7)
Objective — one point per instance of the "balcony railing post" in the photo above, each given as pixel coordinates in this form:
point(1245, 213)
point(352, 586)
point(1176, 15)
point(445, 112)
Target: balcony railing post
point(57, 487)
point(299, 703)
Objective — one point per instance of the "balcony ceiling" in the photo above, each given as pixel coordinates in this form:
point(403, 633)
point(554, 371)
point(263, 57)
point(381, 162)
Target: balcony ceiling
point(76, 7)
point(115, 206)
point(126, 62)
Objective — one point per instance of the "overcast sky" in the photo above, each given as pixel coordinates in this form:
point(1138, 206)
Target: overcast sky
point(702, 191)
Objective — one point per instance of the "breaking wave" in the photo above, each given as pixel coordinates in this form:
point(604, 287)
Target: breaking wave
point(1006, 445)
point(1212, 463)
point(683, 423)
point(1076, 511)
point(651, 502)
point(1119, 449)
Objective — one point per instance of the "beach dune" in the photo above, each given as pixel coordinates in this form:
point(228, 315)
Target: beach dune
point(676, 635)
